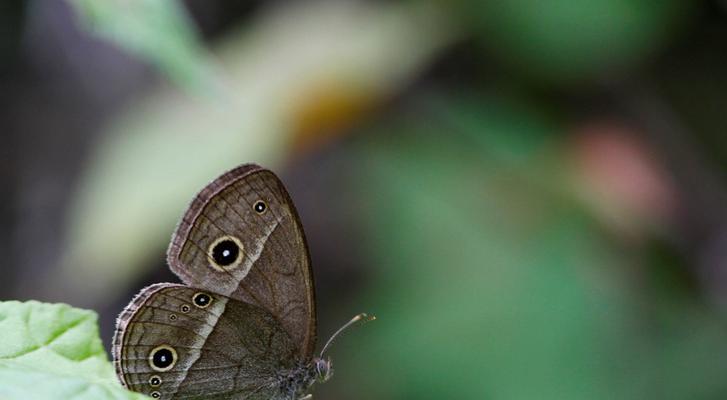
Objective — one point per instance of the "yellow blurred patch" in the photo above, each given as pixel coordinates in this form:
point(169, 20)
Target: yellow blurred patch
point(327, 111)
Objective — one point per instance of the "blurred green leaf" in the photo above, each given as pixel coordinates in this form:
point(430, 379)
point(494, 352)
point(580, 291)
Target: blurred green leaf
point(490, 284)
point(571, 41)
point(158, 154)
point(156, 31)
point(53, 351)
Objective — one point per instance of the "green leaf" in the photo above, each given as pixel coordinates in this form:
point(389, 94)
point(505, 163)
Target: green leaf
point(53, 351)
point(156, 31)
point(155, 156)
point(571, 41)
point(490, 281)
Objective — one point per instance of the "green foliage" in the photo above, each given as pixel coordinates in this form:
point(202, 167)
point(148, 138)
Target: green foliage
point(157, 31)
point(53, 351)
point(566, 40)
point(159, 153)
point(490, 281)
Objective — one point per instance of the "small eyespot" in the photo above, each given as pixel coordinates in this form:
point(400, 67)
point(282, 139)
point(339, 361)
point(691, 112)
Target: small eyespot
point(260, 207)
point(201, 300)
point(173, 317)
point(162, 358)
point(155, 395)
point(155, 381)
point(184, 308)
point(225, 253)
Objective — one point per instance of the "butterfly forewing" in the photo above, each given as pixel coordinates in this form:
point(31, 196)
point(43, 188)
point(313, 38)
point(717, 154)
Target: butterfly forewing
point(242, 238)
point(178, 342)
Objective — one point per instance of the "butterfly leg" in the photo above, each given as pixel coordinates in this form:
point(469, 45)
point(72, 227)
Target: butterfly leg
point(306, 397)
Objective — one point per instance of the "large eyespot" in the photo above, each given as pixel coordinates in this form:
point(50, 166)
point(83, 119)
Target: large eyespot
point(162, 358)
point(260, 207)
point(155, 395)
point(225, 253)
point(155, 381)
point(201, 300)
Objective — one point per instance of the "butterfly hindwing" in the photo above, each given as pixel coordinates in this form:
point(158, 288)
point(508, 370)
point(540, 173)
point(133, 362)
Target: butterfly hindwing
point(175, 341)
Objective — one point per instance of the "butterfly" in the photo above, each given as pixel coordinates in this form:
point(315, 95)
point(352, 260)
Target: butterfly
point(243, 323)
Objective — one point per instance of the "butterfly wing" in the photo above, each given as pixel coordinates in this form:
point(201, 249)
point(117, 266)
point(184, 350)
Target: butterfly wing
point(173, 341)
point(241, 237)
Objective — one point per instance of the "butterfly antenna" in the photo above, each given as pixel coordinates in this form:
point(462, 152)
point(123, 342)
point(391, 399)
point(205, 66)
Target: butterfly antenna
point(363, 317)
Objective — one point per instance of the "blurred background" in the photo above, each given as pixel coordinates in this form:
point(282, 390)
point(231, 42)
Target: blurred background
point(531, 196)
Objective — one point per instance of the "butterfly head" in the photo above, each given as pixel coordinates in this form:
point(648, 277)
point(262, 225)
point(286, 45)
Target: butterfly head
point(323, 369)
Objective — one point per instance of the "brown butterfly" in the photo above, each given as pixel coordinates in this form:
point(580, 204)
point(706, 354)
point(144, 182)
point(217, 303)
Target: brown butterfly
point(243, 324)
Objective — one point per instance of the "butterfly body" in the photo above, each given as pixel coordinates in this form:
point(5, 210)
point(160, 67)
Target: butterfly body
point(293, 383)
point(243, 324)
